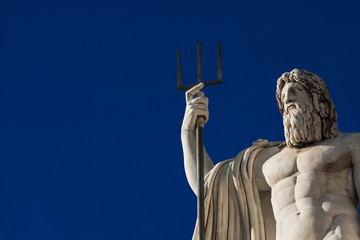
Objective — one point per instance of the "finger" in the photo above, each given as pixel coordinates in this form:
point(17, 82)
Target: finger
point(190, 93)
point(196, 88)
point(198, 106)
point(203, 113)
point(195, 113)
point(202, 100)
point(199, 94)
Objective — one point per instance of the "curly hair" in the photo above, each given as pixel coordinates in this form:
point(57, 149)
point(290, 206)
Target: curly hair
point(321, 100)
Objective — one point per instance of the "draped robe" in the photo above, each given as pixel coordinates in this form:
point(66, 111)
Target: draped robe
point(234, 207)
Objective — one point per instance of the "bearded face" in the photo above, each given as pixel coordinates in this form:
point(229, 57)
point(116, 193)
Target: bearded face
point(302, 125)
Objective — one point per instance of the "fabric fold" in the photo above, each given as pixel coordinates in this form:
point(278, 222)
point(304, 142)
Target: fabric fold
point(233, 208)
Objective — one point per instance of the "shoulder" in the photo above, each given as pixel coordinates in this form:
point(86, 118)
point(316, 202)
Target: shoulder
point(269, 149)
point(352, 142)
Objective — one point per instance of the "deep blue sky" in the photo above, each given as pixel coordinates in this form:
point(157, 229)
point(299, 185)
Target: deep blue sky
point(90, 115)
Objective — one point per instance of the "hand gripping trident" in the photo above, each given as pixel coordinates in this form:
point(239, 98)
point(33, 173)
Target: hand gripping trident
point(200, 135)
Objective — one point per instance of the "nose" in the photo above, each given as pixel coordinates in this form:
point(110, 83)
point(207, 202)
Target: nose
point(289, 96)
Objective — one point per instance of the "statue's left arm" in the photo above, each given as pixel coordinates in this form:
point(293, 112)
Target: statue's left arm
point(352, 140)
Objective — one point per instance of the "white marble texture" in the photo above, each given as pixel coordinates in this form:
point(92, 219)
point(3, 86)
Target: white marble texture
point(309, 185)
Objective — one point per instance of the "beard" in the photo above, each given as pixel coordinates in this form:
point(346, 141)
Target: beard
point(302, 125)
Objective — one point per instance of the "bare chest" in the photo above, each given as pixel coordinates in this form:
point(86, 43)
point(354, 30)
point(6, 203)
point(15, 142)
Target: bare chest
point(328, 156)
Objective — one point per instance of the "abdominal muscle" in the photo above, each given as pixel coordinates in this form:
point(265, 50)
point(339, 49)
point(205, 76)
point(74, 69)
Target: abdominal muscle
point(316, 206)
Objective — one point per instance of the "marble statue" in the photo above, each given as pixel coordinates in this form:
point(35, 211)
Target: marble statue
point(302, 189)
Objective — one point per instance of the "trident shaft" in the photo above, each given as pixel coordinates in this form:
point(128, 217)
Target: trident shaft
point(200, 136)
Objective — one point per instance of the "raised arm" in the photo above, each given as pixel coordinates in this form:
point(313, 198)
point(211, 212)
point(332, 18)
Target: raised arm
point(195, 107)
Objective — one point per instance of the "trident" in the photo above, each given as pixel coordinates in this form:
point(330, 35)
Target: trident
point(200, 135)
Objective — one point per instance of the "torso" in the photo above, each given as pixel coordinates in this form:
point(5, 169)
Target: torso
point(313, 194)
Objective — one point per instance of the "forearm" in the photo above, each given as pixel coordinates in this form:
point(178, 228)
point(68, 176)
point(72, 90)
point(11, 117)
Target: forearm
point(188, 139)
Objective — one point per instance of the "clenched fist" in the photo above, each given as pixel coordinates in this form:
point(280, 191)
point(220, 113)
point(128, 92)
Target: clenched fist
point(196, 105)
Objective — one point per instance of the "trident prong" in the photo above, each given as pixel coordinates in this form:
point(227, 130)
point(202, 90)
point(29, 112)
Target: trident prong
point(217, 81)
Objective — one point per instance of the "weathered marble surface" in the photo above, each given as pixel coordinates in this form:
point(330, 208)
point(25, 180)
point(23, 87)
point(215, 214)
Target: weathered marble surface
point(305, 188)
